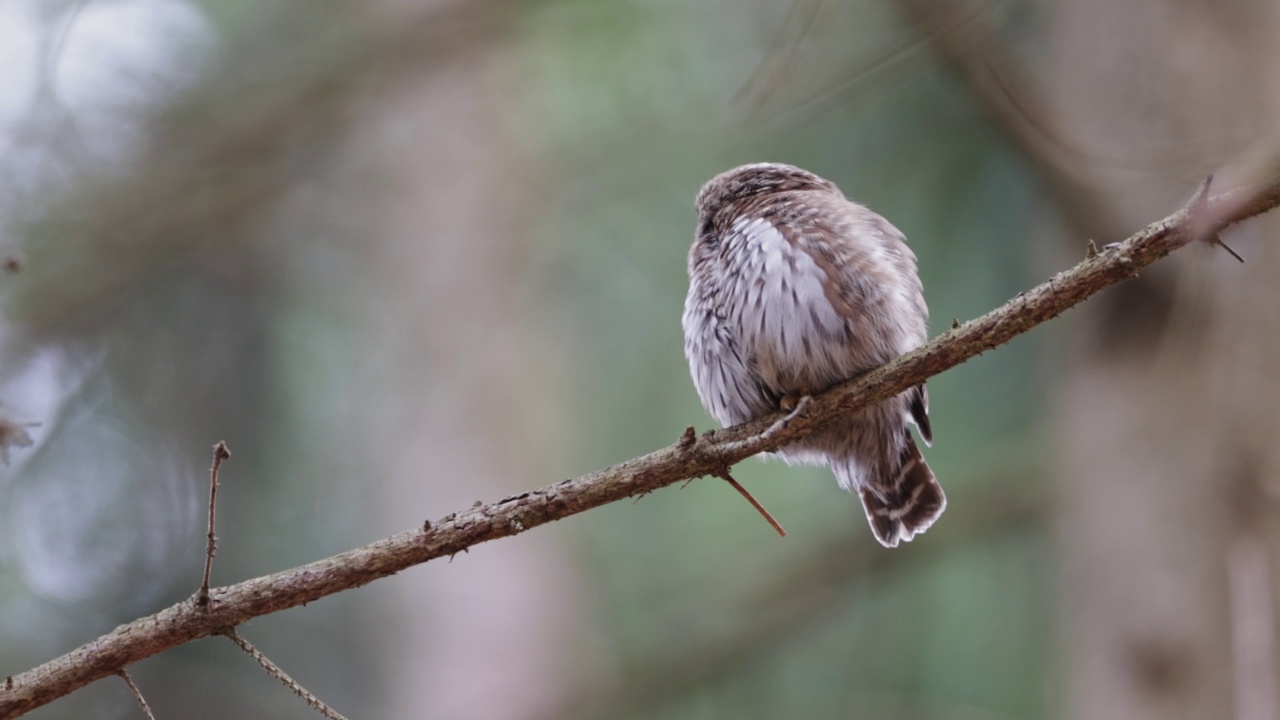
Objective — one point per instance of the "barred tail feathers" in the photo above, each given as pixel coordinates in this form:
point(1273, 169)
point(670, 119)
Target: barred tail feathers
point(900, 503)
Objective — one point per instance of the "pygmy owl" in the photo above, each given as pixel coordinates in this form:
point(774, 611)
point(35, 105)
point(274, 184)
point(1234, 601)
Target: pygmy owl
point(792, 289)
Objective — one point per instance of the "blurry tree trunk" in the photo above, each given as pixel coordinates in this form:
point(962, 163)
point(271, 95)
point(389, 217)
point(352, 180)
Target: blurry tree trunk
point(453, 187)
point(1168, 413)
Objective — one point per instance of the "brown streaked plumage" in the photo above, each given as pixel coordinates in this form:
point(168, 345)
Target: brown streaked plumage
point(792, 289)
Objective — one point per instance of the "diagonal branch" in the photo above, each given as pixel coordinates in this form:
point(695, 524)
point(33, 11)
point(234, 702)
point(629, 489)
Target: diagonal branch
point(137, 695)
point(278, 673)
point(710, 454)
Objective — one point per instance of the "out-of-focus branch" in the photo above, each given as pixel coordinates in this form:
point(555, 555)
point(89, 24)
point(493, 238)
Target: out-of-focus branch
point(965, 35)
point(222, 155)
point(962, 34)
point(710, 454)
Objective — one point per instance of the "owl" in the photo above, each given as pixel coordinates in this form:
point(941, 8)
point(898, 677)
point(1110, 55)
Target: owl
point(793, 288)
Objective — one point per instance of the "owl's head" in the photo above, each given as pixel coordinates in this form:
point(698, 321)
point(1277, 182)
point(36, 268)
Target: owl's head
point(745, 182)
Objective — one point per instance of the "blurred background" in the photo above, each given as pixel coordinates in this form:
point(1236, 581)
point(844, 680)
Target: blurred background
point(404, 255)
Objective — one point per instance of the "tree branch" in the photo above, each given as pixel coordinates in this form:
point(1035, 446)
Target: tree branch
point(710, 454)
point(278, 673)
point(220, 453)
point(137, 695)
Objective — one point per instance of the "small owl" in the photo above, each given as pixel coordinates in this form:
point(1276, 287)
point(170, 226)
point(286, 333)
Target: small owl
point(792, 289)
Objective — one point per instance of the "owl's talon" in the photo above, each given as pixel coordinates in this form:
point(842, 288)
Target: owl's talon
point(793, 405)
point(801, 405)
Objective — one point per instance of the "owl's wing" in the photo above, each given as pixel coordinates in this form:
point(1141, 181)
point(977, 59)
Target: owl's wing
point(722, 367)
point(871, 281)
point(723, 373)
point(904, 262)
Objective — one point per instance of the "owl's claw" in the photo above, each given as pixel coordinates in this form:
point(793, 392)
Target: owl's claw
point(793, 404)
point(790, 401)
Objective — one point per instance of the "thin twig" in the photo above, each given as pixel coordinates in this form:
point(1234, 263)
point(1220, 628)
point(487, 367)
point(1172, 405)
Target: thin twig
point(709, 454)
point(137, 695)
point(1202, 221)
point(1217, 240)
point(754, 503)
point(220, 453)
point(764, 437)
point(274, 671)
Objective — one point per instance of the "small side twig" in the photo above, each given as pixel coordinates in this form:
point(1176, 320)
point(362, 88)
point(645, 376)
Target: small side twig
point(1202, 221)
point(137, 695)
point(687, 438)
point(1217, 240)
point(220, 453)
point(754, 503)
point(276, 672)
point(764, 437)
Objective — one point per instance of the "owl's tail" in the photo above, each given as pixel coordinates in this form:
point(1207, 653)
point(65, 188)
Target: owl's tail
point(903, 502)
